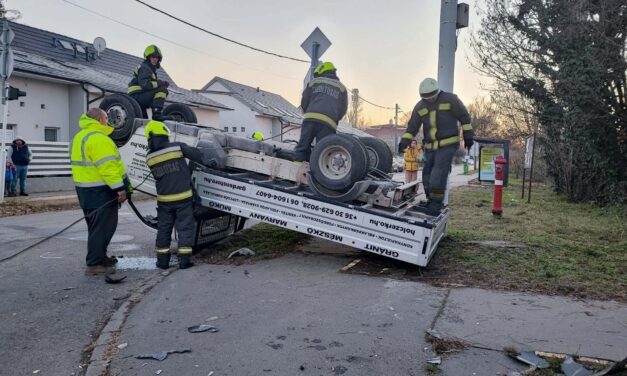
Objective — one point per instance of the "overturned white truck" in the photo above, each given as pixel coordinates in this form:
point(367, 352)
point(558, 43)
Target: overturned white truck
point(345, 194)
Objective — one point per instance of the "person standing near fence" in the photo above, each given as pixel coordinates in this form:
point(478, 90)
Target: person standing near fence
point(20, 155)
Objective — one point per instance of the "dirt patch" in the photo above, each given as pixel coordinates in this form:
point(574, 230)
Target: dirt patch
point(11, 208)
point(267, 241)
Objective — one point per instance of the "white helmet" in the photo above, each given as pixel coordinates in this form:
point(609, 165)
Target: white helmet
point(429, 88)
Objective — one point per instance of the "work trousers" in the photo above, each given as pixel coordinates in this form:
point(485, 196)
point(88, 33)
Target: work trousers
point(181, 217)
point(309, 131)
point(146, 99)
point(436, 170)
point(20, 174)
point(101, 225)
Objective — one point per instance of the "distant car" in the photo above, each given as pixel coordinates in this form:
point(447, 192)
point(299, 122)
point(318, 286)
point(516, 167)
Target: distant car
point(398, 164)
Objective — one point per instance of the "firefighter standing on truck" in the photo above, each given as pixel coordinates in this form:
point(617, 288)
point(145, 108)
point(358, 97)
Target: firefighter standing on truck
point(145, 88)
point(439, 113)
point(101, 185)
point(324, 103)
point(167, 164)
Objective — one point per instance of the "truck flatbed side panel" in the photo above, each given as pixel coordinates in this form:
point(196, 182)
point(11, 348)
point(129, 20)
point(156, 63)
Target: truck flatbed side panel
point(397, 239)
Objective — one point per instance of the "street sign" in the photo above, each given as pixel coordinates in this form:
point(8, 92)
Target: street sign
point(6, 59)
point(7, 33)
point(528, 151)
point(6, 63)
point(316, 36)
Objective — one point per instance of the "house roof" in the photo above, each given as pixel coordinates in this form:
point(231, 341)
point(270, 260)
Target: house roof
point(44, 53)
point(261, 101)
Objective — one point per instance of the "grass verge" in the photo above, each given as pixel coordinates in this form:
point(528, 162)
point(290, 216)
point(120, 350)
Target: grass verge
point(568, 248)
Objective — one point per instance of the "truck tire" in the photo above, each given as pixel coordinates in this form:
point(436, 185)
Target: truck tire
point(122, 111)
point(337, 162)
point(181, 113)
point(380, 156)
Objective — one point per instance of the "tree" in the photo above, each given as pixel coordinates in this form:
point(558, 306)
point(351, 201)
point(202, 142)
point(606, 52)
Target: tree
point(355, 115)
point(483, 116)
point(567, 58)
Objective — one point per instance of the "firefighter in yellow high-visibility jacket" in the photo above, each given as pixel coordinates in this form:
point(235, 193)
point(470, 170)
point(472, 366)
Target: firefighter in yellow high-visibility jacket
point(101, 185)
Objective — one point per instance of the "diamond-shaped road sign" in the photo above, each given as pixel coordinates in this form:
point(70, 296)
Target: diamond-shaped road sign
point(316, 36)
point(6, 58)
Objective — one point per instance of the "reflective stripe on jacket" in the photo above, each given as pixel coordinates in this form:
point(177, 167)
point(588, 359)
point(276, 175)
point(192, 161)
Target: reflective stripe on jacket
point(171, 173)
point(94, 157)
point(411, 159)
point(144, 78)
point(325, 100)
point(440, 121)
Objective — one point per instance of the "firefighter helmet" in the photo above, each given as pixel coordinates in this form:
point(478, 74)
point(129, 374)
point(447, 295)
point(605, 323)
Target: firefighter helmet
point(152, 50)
point(429, 88)
point(324, 67)
point(156, 128)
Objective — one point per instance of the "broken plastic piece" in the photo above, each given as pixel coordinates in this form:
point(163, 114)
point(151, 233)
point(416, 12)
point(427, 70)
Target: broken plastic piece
point(529, 357)
point(436, 360)
point(434, 333)
point(114, 280)
point(242, 252)
point(572, 368)
point(202, 328)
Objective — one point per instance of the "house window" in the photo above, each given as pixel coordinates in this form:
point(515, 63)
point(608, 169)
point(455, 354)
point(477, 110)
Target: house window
point(51, 134)
point(226, 129)
point(243, 129)
point(22, 104)
point(43, 106)
point(234, 129)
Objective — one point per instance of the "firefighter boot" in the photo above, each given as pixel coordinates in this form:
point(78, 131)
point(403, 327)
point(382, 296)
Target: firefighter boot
point(185, 261)
point(157, 115)
point(434, 208)
point(163, 260)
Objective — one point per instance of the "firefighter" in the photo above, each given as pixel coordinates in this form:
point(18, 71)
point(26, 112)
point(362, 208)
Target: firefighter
point(167, 164)
point(324, 103)
point(145, 88)
point(439, 113)
point(101, 185)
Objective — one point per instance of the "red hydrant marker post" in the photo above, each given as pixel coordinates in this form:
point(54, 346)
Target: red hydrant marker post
point(499, 174)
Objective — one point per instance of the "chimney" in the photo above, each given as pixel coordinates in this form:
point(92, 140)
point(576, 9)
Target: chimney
point(257, 89)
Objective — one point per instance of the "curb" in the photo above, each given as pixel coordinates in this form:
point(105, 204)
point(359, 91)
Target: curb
point(106, 343)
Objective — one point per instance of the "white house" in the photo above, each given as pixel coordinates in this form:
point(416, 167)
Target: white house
point(255, 110)
point(62, 78)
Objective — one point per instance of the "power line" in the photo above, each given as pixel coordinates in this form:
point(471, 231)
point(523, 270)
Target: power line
point(173, 42)
point(376, 105)
point(220, 36)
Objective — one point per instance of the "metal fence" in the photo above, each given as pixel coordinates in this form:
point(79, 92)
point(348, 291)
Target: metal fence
point(49, 159)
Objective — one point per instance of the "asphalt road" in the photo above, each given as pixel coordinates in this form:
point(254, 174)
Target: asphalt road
point(50, 310)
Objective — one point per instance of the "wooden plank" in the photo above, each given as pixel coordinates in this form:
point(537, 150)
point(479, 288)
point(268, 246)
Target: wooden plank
point(350, 265)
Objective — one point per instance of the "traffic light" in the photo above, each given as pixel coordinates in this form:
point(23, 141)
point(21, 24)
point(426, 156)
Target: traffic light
point(15, 93)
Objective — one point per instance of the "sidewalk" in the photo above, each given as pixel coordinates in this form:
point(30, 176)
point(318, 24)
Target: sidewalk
point(300, 315)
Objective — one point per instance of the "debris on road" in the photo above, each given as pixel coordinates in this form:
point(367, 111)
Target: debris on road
point(114, 280)
point(350, 265)
point(242, 252)
point(572, 368)
point(122, 345)
point(202, 328)
point(69, 288)
point(212, 318)
point(528, 357)
point(435, 360)
point(158, 372)
point(442, 345)
point(161, 355)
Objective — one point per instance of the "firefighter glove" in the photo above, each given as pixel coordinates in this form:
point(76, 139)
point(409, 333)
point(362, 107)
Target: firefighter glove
point(403, 144)
point(468, 143)
point(164, 83)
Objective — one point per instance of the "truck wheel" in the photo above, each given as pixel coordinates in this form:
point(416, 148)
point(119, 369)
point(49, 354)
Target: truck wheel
point(337, 162)
point(181, 113)
point(379, 154)
point(122, 111)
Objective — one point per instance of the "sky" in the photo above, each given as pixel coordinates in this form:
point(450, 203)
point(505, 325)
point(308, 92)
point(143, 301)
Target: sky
point(383, 48)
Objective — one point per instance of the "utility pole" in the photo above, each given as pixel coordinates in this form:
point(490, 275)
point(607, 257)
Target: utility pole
point(452, 17)
point(6, 68)
point(396, 110)
point(355, 99)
